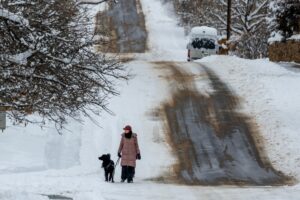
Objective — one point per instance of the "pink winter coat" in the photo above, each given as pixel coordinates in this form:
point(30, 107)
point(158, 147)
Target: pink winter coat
point(129, 148)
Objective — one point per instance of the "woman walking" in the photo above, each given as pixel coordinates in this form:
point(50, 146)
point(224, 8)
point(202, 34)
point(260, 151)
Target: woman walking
point(128, 151)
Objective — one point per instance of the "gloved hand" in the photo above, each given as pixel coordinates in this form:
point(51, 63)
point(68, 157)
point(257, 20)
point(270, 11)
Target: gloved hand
point(138, 156)
point(119, 155)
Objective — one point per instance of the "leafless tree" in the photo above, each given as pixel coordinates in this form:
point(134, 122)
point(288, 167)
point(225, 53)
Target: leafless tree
point(248, 21)
point(48, 65)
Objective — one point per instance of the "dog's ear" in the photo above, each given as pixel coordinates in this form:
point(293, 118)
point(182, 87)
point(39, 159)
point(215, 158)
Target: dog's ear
point(108, 156)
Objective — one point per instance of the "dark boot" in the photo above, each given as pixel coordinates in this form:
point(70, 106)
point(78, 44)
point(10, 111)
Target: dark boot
point(124, 174)
point(131, 172)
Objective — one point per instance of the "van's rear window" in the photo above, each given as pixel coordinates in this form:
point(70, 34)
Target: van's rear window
point(203, 43)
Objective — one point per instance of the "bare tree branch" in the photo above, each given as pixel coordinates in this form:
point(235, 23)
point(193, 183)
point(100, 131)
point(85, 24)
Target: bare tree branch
point(48, 65)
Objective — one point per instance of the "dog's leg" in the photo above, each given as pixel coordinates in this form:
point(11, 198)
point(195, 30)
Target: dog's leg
point(106, 175)
point(111, 177)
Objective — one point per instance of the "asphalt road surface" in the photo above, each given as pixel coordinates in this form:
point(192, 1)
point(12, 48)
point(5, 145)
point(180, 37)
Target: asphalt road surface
point(213, 142)
point(127, 20)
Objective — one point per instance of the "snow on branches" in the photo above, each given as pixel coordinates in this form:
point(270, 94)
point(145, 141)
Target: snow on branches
point(13, 17)
point(248, 19)
point(284, 19)
point(47, 62)
point(248, 25)
point(93, 1)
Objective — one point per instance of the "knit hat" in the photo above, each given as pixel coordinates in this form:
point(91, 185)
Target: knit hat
point(128, 127)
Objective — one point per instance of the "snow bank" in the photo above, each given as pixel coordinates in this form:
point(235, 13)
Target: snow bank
point(135, 106)
point(20, 152)
point(275, 37)
point(39, 160)
point(295, 37)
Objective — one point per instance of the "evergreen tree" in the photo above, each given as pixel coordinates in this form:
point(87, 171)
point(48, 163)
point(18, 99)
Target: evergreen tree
point(284, 18)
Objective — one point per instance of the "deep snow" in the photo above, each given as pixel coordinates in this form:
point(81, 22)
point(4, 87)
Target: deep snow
point(36, 162)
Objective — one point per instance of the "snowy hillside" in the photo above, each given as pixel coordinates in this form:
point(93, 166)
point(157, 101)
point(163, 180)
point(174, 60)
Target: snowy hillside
point(37, 163)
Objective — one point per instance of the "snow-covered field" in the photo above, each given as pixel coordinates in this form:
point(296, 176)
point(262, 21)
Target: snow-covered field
point(37, 162)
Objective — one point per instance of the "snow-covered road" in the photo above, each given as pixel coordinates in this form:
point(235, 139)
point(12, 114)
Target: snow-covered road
point(69, 166)
point(36, 163)
point(215, 143)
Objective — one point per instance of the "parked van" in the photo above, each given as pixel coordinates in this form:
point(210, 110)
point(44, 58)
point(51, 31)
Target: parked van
point(203, 41)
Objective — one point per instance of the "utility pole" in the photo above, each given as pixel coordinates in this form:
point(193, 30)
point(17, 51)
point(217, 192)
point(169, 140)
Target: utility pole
point(228, 18)
point(2, 120)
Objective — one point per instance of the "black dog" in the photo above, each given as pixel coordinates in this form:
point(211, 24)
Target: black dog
point(109, 167)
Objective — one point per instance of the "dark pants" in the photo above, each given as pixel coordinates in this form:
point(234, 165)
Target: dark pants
point(127, 173)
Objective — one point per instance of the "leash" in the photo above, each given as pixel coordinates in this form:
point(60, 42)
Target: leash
point(117, 162)
point(116, 166)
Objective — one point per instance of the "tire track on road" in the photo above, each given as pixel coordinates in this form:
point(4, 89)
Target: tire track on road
point(125, 23)
point(214, 143)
